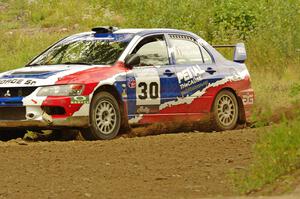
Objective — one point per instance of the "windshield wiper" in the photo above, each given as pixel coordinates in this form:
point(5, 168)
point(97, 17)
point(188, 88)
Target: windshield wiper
point(76, 63)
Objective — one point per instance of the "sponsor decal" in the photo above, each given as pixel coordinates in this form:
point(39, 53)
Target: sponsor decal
point(34, 101)
point(131, 82)
point(7, 94)
point(199, 86)
point(80, 100)
point(248, 99)
point(143, 109)
point(147, 109)
point(124, 94)
point(17, 81)
point(189, 77)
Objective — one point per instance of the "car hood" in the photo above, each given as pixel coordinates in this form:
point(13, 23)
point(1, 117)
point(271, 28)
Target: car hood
point(40, 75)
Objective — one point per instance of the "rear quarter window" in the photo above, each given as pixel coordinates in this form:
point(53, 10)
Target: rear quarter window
point(206, 56)
point(186, 50)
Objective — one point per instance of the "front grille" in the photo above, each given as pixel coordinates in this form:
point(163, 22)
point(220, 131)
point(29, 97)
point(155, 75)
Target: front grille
point(16, 92)
point(54, 110)
point(12, 113)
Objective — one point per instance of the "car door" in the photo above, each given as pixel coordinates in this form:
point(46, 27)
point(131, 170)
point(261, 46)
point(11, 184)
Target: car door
point(149, 82)
point(195, 70)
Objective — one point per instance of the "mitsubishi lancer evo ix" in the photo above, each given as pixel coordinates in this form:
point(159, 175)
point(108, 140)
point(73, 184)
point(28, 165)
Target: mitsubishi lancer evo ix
point(99, 82)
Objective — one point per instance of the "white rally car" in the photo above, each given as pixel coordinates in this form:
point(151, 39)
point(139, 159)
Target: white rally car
point(101, 81)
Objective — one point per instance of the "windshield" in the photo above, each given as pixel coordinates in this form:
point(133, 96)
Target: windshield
point(88, 50)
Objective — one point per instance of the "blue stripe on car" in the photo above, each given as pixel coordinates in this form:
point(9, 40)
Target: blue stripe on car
point(42, 75)
point(11, 101)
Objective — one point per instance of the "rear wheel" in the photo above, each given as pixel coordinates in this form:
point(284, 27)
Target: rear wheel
point(225, 111)
point(105, 118)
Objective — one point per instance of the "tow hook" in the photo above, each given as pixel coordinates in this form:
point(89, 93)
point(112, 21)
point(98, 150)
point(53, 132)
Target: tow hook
point(47, 118)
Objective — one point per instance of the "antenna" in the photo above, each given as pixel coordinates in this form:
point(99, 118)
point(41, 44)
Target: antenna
point(105, 29)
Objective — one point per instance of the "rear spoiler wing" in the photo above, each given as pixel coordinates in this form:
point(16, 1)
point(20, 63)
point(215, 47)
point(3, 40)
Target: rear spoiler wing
point(240, 54)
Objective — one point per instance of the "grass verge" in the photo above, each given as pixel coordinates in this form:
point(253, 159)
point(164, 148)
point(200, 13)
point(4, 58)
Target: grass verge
point(277, 153)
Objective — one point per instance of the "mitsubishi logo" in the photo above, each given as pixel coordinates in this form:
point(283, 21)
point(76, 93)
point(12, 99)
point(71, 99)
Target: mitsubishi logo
point(7, 94)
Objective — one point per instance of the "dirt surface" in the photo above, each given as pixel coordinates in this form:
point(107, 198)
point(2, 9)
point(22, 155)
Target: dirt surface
point(190, 165)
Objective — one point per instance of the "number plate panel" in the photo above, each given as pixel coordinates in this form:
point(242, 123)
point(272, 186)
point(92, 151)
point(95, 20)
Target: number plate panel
point(147, 86)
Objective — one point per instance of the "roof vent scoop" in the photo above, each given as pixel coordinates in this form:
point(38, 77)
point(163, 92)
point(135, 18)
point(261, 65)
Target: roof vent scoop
point(105, 29)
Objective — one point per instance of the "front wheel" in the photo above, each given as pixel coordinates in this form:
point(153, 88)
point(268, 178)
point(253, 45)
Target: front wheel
point(105, 118)
point(225, 111)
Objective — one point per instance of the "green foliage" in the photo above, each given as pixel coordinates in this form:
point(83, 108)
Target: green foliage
point(295, 90)
point(273, 92)
point(276, 154)
point(18, 48)
point(76, 14)
point(191, 15)
point(234, 18)
point(269, 28)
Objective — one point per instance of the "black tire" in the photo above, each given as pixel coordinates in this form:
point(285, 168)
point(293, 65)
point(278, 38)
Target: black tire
point(105, 118)
point(225, 111)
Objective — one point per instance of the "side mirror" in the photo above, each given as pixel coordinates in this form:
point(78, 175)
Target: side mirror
point(240, 54)
point(132, 60)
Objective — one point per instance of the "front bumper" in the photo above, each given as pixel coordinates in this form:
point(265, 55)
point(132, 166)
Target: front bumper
point(47, 123)
point(36, 112)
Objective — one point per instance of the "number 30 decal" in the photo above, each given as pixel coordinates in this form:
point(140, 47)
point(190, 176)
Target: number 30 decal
point(148, 91)
point(147, 86)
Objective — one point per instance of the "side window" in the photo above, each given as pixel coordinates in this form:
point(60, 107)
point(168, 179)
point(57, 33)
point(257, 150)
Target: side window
point(187, 50)
point(206, 56)
point(152, 51)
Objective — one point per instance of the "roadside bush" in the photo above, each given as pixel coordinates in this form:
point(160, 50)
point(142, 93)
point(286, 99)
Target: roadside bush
point(233, 19)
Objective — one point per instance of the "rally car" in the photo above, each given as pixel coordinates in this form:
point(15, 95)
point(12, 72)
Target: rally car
point(103, 80)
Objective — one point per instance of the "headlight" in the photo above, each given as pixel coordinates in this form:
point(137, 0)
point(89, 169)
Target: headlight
point(61, 90)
